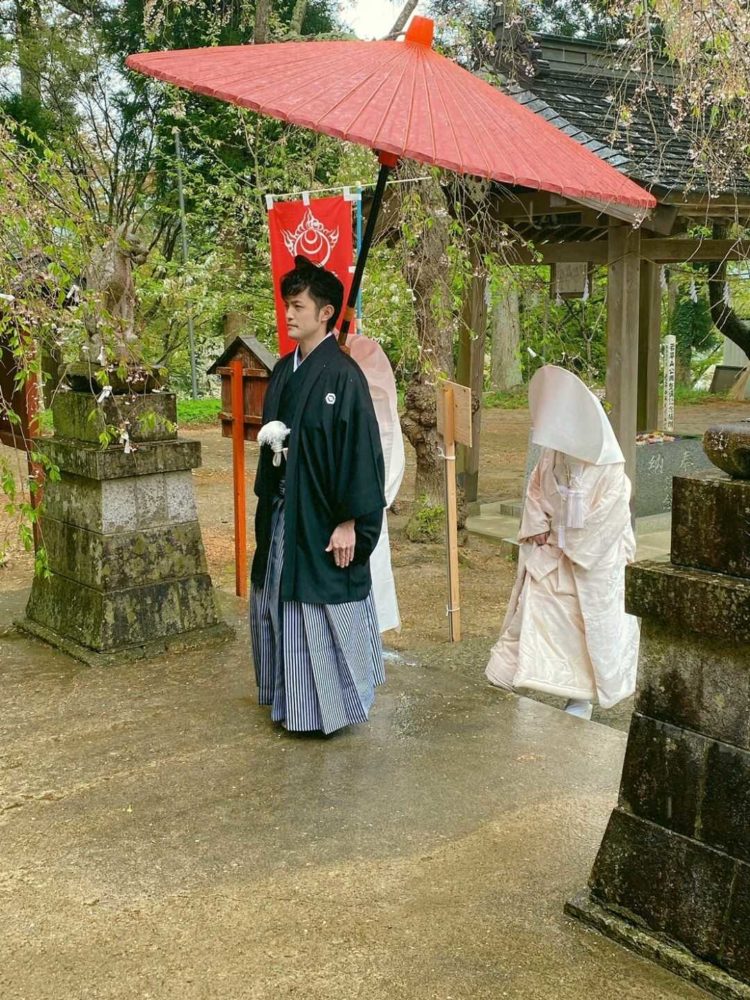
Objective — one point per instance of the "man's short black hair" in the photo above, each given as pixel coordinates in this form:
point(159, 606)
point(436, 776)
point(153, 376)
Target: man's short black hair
point(323, 287)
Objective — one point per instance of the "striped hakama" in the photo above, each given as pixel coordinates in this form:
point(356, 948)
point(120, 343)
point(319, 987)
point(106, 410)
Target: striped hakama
point(316, 665)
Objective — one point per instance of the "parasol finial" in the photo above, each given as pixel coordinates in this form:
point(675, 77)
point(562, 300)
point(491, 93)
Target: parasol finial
point(421, 31)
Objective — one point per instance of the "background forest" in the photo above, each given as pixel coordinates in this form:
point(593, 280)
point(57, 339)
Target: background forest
point(88, 150)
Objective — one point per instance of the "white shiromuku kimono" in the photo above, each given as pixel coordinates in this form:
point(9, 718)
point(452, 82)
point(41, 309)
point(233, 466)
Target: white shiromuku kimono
point(566, 631)
point(374, 362)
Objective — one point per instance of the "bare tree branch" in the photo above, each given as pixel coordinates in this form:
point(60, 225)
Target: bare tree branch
point(408, 9)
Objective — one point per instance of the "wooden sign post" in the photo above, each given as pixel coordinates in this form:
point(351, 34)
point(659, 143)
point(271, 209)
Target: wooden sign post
point(238, 473)
point(453, 424)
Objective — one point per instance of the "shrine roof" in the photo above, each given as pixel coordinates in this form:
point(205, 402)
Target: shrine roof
point(579, 87)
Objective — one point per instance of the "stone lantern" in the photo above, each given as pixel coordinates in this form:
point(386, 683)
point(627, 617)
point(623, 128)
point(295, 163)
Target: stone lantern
point(128, 575)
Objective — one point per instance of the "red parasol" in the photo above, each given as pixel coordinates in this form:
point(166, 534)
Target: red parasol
point(402, 99)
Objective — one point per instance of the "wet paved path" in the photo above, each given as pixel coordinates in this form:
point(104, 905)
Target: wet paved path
point(160, 839)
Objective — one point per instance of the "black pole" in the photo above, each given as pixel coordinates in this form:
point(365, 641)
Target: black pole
point(372, 218)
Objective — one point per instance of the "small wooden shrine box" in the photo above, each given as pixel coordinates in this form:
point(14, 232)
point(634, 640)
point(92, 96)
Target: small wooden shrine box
point(257, 365)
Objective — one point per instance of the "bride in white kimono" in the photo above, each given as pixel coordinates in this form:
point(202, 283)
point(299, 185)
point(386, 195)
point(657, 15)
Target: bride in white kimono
point(566, 631)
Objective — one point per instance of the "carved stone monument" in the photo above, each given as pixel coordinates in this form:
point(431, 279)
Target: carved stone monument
point(672, 876)
point(128, 568)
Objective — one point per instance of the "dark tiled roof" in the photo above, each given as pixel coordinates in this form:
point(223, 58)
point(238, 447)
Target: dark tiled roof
point(646, 148)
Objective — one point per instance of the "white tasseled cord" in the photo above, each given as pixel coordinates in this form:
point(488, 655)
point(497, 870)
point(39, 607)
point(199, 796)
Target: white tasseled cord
point(574, 511)
point(273, 434)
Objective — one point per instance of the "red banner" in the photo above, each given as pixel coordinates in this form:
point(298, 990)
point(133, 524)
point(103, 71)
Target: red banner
point(320, 231)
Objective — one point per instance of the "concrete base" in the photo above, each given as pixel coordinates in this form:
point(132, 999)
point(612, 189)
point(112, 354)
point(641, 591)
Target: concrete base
point(656, 948)
point(211, 636)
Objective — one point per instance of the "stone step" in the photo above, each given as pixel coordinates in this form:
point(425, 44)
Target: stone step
point(498, 522)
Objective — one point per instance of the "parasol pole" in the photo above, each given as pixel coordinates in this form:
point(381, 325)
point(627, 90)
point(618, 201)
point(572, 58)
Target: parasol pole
point(387, 162)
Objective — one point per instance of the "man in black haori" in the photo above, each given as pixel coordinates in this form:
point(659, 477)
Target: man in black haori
point(320, 488)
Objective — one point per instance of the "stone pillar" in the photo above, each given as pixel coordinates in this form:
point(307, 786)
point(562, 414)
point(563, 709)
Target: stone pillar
point(129, 575)
point(672, 876)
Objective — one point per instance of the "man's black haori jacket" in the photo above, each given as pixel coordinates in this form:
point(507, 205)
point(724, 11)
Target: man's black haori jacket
point(333, 472)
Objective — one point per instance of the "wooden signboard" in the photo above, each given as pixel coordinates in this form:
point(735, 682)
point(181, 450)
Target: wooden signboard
point(453, 424)
point(461, 396)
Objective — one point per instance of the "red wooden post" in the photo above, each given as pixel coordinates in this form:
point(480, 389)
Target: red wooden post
point(238, 470)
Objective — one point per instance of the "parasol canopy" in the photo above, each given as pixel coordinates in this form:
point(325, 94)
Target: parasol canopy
point(402, 99)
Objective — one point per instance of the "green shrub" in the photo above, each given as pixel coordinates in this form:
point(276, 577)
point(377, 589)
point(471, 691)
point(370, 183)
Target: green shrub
point(427, 522)
point(509, 399)
point(198, 411)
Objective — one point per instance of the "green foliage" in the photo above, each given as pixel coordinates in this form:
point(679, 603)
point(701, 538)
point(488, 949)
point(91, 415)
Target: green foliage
point(427, 522)
point(388, 308)
point(198, 411)
point(686, 395)
point(511, 399)
point(568, 332)
point(690, 322)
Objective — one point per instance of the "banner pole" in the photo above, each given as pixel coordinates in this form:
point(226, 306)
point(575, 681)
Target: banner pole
point(359, 247)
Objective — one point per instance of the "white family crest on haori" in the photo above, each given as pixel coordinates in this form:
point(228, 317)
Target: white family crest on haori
point(331, 398)
point(311, 239)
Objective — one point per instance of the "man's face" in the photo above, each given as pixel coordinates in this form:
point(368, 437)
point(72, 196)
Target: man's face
point(303, 317)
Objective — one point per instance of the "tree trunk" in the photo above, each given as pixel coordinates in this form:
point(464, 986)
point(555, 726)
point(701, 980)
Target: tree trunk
point(505, 324)
point(298, 16)
point(470, 371)
point(408, 9)
point(28, 24)
point(683, 366)
point(235, 324)
point(725, 318)
point(262, 10)
point(425, 269)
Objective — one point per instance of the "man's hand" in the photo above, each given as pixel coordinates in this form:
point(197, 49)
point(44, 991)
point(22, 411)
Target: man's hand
point(342, 544)
point(540, 539)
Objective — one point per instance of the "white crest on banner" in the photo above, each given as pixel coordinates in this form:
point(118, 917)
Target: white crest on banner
point(311, 239)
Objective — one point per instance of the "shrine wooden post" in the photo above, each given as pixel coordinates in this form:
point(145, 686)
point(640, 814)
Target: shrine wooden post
point(238, 478)
point(623, 302)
